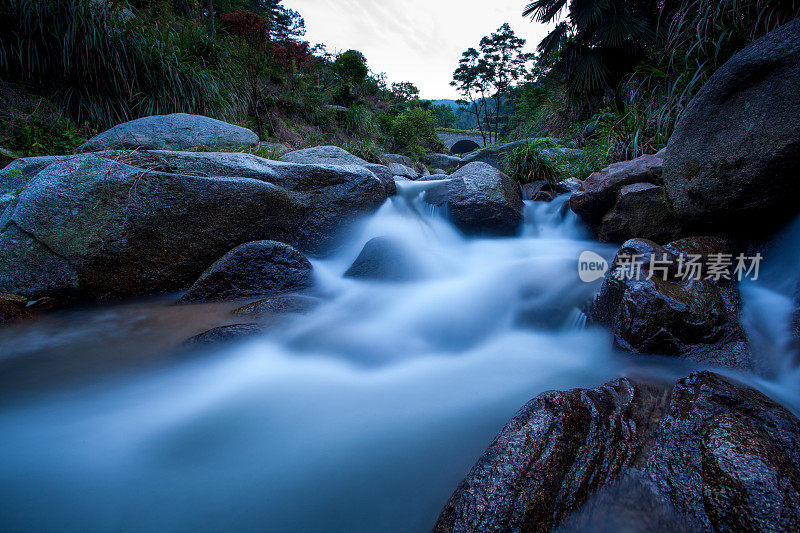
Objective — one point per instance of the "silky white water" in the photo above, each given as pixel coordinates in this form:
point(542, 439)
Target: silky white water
point(362, 415)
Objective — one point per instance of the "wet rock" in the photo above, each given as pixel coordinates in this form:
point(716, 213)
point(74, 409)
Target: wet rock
point(252, 269)
point(12, 310)
point(177, 131)
point(745, 180)
point(569, 185)
point(599, 191)
point(544, 196)
point(382, 259)
point(398, 169)
point(434, 177)
point(443, 162)
point(654, 308)
point(95, 227)
point(278, 305)
point(530, 190)
point(640, 211)
point(704, 454)
point(558, 450)
point(480, 200)
point(225, 334)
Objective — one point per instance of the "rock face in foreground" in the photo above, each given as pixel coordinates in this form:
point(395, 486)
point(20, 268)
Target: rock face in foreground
point(480, 200)
point(705, 454)
point(93, 227)
point(732, 162)
point(178, 131)
point(254, 269)
point(673, 313)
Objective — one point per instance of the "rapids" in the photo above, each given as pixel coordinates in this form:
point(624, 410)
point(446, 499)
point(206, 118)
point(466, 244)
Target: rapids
point(362, 415)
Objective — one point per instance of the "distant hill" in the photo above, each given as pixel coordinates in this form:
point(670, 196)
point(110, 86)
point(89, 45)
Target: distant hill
point(451, 103)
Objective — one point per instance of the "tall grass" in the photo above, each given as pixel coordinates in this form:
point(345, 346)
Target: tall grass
point(533, 161)
point(106, 66)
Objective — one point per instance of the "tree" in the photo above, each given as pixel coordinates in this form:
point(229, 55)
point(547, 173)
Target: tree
point(351, 67)
point(404, 91)
point(445, 116)
point(490, 74)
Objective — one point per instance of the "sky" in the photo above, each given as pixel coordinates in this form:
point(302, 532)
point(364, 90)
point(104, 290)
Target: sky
point(413, 40)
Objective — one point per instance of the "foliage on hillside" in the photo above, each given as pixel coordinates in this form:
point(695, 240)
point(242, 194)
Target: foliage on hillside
point(95, 64)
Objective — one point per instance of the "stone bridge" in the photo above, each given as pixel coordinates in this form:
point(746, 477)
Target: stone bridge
point(461, 142)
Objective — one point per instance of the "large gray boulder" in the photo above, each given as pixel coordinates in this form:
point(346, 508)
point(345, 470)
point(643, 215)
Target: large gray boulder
point(479, 200)
point(256, 268)
point(398, 169)
point(16, 175)
point(177, 131)
point(733, 162)
point(94, 227)
point(703, 454)
point(324, 155)
point(443, 161)
point(333, 155)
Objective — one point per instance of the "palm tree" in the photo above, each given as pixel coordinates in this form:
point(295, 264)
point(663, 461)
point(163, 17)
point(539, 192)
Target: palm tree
point(596, 42)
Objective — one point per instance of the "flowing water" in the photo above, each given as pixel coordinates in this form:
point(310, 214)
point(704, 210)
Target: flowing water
point(362, 415)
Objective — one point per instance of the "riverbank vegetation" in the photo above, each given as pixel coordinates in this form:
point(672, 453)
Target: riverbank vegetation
point(70, 68)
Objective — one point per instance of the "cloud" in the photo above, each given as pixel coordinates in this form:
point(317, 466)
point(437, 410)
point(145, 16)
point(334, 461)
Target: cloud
point(412, 40)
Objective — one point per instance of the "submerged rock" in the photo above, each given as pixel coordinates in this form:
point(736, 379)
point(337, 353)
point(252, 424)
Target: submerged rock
point(253, 269)
point(732, 161)
point(177, 131)
point(480, 200)
point(706, 453)
point(12, 310)
point(382, 259)
point(225, 334)
point(110, 226)
point(653, 308)
point(277, 305)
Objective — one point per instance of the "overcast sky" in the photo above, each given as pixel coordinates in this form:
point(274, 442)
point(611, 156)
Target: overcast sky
point(413, 40)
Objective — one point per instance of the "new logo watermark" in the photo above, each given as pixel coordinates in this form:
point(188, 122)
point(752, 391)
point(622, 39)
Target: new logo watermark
point(591, 266)
point(715, 267)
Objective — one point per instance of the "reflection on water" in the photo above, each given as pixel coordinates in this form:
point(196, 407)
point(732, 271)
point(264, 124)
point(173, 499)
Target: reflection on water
point(362, 415)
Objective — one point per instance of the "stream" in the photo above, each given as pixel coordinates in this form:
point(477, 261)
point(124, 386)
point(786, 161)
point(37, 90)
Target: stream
point(362, 415)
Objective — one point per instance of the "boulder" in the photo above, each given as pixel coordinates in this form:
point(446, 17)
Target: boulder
point(386, 159)
point(277, 148)
point(324, 155)
point(177, 131)
point(479, 200)
point(333, 155)
point(437, 171)
point(706, 453)
point(398, 169)
point(600, 190)
point(732, 162)
point(654, 308)
point(434, 177)
point(640, 211)
point(16, 175)
point(382, 259)
point(94, 227)
point(443, 161)
point(253, 269)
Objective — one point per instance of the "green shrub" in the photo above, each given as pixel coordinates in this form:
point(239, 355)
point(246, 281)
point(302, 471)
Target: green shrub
point(366, 150)
point(360, 122)
point(33, 127)
point(413, 133)
point(533, 161)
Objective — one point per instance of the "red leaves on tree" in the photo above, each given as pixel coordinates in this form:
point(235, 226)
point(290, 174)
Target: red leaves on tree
point(251, 27)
